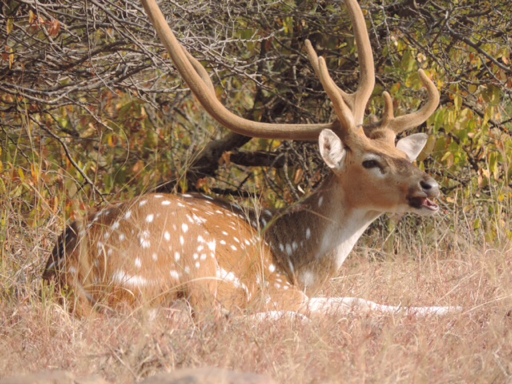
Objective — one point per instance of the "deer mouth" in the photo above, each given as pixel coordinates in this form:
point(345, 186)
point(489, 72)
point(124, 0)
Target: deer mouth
point(423, 202)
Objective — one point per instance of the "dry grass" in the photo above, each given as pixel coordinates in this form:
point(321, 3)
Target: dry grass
point(472, 347)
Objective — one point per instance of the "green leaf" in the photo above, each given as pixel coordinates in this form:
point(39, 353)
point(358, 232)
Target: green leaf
point(492, 95)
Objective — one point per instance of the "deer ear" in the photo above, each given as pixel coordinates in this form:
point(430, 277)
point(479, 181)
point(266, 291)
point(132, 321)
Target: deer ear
point(331, 149)
point(412, 145)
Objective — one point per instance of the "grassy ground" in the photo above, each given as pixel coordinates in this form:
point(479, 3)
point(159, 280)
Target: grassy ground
point(438, 264)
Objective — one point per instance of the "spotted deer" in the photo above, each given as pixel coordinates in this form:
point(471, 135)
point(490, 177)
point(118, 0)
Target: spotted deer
point(160, 247)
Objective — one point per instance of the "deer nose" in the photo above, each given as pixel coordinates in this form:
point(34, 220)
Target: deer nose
point(430, 187)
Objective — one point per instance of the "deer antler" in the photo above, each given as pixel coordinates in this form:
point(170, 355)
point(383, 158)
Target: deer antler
point(349, 107)
point(195, 77)
point(396, 125)
point(411, 120)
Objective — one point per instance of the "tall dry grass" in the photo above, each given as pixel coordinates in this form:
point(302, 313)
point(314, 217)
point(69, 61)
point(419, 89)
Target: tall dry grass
point(441, 261)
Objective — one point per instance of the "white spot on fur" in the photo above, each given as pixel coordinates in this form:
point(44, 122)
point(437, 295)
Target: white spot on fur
point(184, 227)
point(182, 240)
point(177, 256)
point(211, 245)
point(127, 215)
point(154, 256)
point(123, 278)
point(198, 264)
point(144, 242)
point(272, 268)
point(138, 263)
point(224, 275)
point(167, 236)
point(174, 274)
point(198, 219)
point(166, 202)
point(150, 218)
point(320, 201)
point(143, 202)
point(122, 237)
point(308, 233)
point(115, 225)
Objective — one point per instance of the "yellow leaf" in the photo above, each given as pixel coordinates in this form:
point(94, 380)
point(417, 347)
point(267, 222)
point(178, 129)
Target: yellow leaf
point(35, 173)
point(457, 101)
point(10, 25)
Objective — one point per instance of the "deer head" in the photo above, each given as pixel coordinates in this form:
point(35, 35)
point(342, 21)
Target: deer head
point(371, 169)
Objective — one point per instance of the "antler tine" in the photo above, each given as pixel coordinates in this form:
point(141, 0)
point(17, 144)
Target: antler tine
point(343, 112)
point(355, 101)
point(203, 91)
point(313, 59)
point(389, 114)
point(366, 64)
point(403, 123)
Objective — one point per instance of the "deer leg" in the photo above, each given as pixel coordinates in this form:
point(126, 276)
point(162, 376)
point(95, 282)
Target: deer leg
point(345, 305)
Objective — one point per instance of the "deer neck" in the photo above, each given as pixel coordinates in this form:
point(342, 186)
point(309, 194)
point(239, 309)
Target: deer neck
point(311, 240)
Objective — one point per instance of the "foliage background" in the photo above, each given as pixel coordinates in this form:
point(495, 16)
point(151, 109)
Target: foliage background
point(90, 102)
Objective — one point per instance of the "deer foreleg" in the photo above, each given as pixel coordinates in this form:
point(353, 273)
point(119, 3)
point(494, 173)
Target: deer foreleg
point(345, 305)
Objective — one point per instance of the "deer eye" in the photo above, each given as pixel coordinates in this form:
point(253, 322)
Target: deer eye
point(370, 164)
